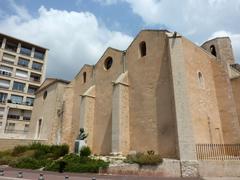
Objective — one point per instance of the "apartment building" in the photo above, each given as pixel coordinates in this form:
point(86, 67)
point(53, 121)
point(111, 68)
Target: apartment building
point(22, 71)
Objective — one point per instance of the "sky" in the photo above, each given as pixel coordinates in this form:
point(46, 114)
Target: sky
point(77, 32)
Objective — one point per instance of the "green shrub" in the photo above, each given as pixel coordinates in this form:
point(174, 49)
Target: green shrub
point(28, 163)
point(75, 163)
point(144, 159)
point(52, 152)
point(72, 158)
point(5, 153)
point(59, 150)
point(85, 151)
point(19, 150)
point(5, 160)
point(91, 166)
point(53, 166)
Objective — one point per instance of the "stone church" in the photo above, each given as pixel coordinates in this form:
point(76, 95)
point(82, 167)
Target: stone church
point(163, 93)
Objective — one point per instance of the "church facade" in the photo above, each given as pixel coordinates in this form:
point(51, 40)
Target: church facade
point(163, 93)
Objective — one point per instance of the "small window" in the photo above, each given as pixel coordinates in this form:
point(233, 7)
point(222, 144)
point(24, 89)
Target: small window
point(143, 49)
point(39, 127)
point(45, 95)
point(108, 63)
point(201, 80)
point(213, 50)
point(84, 77)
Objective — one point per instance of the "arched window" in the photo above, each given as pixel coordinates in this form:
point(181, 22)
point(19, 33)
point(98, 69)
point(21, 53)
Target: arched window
point(201, 80)
point(108, 63)
point(39, 128)
point(143, 49)
point(213, 50)
point(84, 77)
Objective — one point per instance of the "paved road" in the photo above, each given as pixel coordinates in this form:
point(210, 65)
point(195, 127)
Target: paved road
point(11, 174)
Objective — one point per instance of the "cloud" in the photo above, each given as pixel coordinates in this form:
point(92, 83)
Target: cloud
point(196, 19)
point(235, 39)
point(74, 38)
point(189, 15)
point(107, 2)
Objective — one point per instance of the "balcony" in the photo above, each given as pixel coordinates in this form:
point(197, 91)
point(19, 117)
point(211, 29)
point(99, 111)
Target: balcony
point(27, 103)
point(5, 73)
point(8, 58)
point(35, 78)
point(39, 55)
point(3, 101)
point(25, 51)
point(23, 62)
point(13, 117)
point(11, 46)
point(13, 131)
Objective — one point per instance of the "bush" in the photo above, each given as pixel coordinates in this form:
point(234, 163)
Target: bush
point(144, 159)
point(45, 151)
point(5, 160)
point(91, 166)
point(59, 151)
point(28, 163)
point(5, 153)
point(19, 150)
point(85, 151)
point(75, 163)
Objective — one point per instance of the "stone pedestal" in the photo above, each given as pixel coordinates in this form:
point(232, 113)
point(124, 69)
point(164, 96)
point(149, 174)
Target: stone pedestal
point(78, 145)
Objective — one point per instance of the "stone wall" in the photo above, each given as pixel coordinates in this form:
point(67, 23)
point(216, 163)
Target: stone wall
point(236, 92)
point(6, 144)
point(219, 168)
point(169, 168)
point(202, 95)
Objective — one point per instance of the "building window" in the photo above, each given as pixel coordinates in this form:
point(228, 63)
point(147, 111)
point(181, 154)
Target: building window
point(201, 80)
point(26, 51)
point(143, 49)
point(213, 50)
point(108, 63)
point(21, 74)
point(32, 89)
point(37, 66)
point(39, 55)
point(11, 46)
point(26, 128)
point(5, 84)
point(18, 86)
point(3, 97)
point(10, 127)
point(35, 77)
point(23, 62)
point(16, 99)
point(5, 70)
point(84, 77)
point(45, 95)
point(2, 109)
point(0, 124)
point(29, 101)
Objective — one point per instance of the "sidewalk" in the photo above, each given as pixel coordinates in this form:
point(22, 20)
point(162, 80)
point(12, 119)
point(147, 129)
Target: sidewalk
point(11, 174)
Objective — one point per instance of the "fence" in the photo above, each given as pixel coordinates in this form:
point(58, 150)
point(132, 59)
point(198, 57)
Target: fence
point(218, 151)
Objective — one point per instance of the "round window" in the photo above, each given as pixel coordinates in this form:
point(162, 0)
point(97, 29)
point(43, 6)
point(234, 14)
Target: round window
point(108, 63)
point(45, 95)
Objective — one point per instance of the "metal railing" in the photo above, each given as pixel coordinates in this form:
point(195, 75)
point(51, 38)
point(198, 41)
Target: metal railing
point(218, 151)
point(12, 131)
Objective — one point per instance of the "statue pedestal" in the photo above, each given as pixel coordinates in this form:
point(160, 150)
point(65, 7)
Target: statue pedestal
point(78, 145)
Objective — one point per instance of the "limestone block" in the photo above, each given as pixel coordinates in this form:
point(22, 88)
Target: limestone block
point(190, 168)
